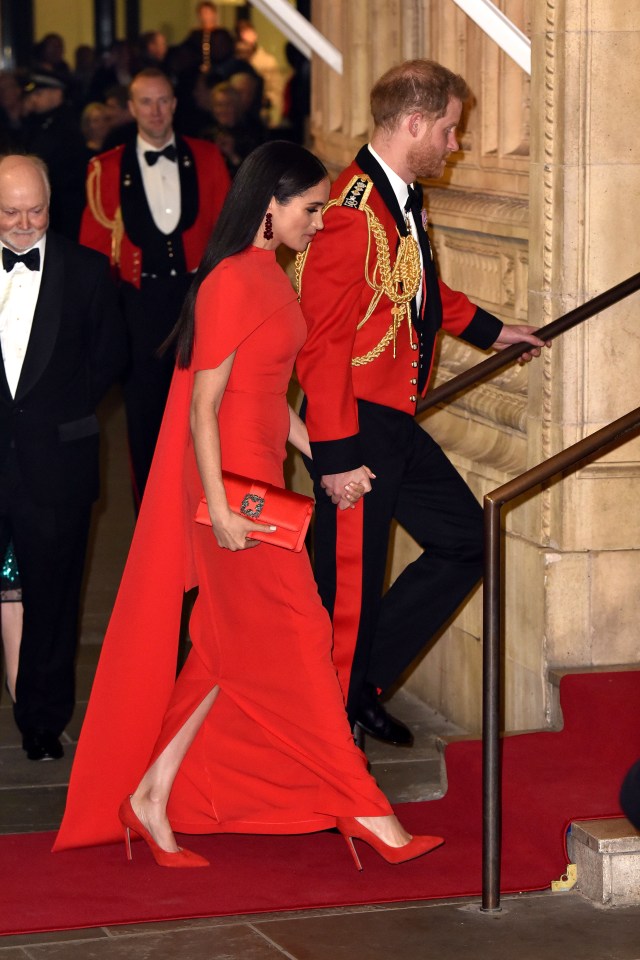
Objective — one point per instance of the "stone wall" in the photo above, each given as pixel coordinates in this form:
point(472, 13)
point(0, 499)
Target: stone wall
point(583, 534)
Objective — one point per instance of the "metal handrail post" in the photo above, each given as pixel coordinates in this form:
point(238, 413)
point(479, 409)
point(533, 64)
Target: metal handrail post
point(609, 436)
point(491, 709)
point(492, 598)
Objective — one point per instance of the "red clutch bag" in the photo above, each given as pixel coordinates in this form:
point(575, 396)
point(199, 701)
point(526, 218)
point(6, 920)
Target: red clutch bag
point(287, 511)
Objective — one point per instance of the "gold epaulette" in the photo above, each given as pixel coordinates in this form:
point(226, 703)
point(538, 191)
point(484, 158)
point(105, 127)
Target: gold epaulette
point(94, 200)
point(398, 283)
point(356, 193)
point(354, 196)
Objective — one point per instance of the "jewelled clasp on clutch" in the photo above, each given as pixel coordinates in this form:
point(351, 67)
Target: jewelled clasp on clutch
point(252, 505)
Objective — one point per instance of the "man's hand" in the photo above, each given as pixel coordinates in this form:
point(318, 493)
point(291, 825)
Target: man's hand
point(345, 489)
point(519, 333)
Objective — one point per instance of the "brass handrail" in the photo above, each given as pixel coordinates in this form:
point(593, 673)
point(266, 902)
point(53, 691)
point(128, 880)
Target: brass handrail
point(493, 503)
point(547, 333)
point(611, 435)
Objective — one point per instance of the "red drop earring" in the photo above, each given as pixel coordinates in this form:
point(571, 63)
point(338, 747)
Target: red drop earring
point(268, 227)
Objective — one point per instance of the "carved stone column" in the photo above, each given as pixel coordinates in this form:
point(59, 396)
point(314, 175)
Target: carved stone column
point(585, 187)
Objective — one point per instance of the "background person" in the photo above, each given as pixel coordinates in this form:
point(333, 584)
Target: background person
point(52, 131)
point(48, 57)
point(234, 135)
point(11, 617)
point(198, 43)
point(249, 88)
point(11, 112)
point(297, 95)
point(85, 65)
point(153, 50)
point(122, 126)
point(630, 795)
point(63, 345)
point(94, 124)
point(152, 204)
point(267, 68)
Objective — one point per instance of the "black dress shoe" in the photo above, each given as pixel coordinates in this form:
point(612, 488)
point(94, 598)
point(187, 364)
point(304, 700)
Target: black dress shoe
point(42, 745)
point(374, 720)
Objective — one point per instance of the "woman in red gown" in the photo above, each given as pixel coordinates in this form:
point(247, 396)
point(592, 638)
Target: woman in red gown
point(253, 735)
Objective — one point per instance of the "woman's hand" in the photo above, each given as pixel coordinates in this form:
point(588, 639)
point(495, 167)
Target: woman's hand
point(352, 493)
point(232, 532)
point(345, 489)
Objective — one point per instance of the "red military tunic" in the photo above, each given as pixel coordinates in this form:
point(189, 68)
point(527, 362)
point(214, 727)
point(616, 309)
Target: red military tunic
point(104, 229)
point(347, 355)
point(368, 345)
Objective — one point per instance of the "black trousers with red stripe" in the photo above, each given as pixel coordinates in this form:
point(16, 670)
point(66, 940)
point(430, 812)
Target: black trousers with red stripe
point(418, 487)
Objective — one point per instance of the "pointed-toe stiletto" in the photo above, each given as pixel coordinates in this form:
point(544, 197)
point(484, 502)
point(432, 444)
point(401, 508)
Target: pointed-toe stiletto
point(349, 827)
point(132, 824)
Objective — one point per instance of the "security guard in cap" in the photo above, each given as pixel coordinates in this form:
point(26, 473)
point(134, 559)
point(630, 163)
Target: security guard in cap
point(52, 132)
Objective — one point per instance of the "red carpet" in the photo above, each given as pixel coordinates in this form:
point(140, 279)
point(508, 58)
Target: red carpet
point(549, 779)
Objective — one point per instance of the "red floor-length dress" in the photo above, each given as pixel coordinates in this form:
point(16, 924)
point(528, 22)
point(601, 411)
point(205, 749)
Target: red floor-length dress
point(275, 753)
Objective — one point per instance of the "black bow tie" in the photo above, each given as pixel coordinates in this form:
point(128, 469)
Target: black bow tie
point(170, 152)
point(30, 259)
point(414, 202)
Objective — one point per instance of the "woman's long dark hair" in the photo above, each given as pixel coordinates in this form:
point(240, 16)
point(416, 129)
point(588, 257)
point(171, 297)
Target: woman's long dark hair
point(277, 169)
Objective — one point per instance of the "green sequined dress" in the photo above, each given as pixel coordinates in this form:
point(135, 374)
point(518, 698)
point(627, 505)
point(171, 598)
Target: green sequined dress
point(10, 589)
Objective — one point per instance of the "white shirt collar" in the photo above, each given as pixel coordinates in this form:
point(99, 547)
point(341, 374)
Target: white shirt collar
point(399, 187)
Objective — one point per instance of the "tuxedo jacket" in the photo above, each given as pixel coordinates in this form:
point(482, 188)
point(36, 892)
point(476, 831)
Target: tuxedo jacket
point(117, 220)
point(357, 348)
point(76, 350)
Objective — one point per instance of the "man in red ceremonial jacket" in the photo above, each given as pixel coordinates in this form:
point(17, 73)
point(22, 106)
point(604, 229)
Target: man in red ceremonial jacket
point(374, 305)
point(151, 206)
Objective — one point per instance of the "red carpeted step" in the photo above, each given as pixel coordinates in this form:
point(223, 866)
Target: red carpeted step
point(549, 779)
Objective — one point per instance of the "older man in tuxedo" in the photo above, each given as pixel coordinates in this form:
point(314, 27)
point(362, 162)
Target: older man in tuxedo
point(151, 206)
point(63, 343)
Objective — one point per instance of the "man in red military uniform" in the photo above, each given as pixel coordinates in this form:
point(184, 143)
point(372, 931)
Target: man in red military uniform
point(151, 206)
point(374, 305)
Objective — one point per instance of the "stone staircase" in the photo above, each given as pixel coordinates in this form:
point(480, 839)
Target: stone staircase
point(606, 854)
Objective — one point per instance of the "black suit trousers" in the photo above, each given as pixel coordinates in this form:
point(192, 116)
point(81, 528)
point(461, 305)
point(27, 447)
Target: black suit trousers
point(150, 314)
point(50, 545)
point(417, 486)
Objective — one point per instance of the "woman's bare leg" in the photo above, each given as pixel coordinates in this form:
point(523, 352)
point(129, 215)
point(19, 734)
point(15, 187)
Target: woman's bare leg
point(11, 627)
point(149, 801)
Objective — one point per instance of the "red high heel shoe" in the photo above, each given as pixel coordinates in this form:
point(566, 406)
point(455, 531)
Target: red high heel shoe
point(349, 827)
point(132, 824)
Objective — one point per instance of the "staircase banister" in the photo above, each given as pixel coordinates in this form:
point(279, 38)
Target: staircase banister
point(608, 435)
point(565, 458)
point(482, 370)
